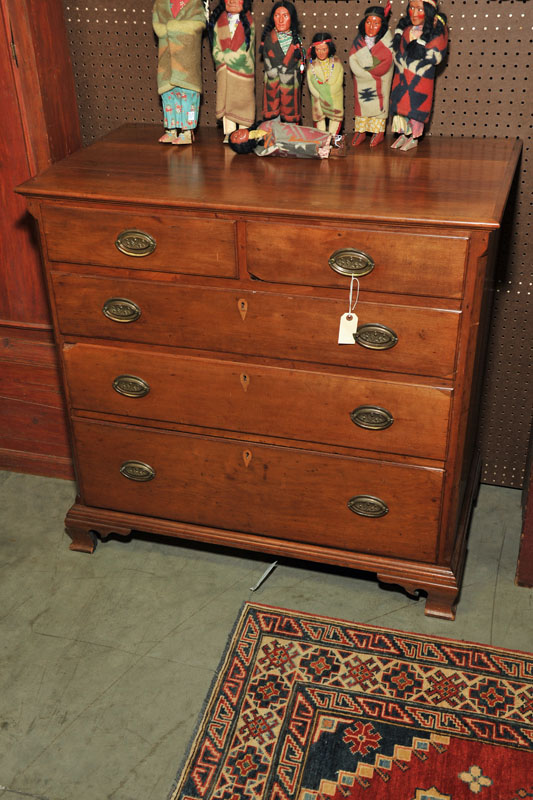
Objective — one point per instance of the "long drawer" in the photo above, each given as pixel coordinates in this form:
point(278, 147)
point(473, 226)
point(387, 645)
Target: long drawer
point(305, 496)
point(147, 241)
point(397, 338)
point(385, 261)
point(394, 417)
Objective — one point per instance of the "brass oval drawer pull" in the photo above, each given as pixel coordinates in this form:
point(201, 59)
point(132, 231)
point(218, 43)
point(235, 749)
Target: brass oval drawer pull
point(372, 418)
point(130, 386)
point(119, 309)
point(376, 337)
point(367, 506)
point(135, 243)
point(137, 471)
point(349, 261)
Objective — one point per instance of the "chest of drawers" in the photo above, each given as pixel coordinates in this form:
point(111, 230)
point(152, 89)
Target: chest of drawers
point(196, 297)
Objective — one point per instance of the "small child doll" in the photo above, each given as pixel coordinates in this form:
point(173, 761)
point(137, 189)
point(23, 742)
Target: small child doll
point(325, 77)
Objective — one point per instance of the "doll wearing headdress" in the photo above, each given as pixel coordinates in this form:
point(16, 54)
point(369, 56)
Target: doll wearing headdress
point(232, 34)
point(284, 58)
point(372, 65)
point(325, 77)
point(420, 43)
point(179, 25)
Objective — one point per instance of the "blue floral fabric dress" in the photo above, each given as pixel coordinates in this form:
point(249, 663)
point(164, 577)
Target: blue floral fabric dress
point(180, 108)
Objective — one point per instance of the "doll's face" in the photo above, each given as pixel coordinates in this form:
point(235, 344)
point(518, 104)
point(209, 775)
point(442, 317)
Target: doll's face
point(282, 19)
point(416, 12)
point(321, 50)
point(234, 6)
point(239, 136)
point(372, 25)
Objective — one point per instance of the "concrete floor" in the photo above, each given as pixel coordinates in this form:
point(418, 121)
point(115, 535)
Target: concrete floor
point(106, 659)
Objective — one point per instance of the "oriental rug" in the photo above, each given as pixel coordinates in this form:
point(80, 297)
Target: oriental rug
point(313, 708)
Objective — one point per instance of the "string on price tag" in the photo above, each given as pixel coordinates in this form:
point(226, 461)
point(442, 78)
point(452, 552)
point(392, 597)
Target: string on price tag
point(349, 321)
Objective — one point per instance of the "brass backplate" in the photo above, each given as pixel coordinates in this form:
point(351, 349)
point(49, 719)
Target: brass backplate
point(135, 243)
point(367, 506)
point(375, 336)
point(130, 386)
point(119, 309)
point(137, 471)
point(372, 418)
point(349, 261)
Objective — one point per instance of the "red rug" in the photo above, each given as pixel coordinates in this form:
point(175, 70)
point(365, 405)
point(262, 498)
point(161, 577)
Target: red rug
point(312, 708)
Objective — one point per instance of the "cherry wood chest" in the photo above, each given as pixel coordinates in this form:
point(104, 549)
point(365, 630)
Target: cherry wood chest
point(196, 297)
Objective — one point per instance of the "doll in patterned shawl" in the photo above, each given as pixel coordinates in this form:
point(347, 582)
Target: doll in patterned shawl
point(179, 25)
point(282, 52)
point(325, 77)
point(372, 66)
point(420, 43)
point(232, 34)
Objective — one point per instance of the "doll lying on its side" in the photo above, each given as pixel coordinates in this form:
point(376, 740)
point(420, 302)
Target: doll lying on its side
point(275, 138)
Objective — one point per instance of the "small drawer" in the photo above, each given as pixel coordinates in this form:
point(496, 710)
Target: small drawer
point(384, 261)
point(348, 503)
point(396, 338)
point(150, 241)
point(309, 406)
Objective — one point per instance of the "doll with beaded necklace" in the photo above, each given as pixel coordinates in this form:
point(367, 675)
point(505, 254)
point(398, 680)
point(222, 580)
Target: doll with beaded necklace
point(284, 58)
point(325, 76)
point(420, 43)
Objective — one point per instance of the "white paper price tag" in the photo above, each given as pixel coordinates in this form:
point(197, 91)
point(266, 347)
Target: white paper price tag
point(347, 328)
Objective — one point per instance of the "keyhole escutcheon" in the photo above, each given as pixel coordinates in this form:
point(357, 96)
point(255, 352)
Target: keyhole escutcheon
point(242, 305)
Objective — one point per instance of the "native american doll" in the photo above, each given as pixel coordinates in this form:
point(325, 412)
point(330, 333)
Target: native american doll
point(419, 44)
point(284, 58)
point(232, 33)
point(179, 25)
point(372, 65)
point(325, 78)
point(272, 137)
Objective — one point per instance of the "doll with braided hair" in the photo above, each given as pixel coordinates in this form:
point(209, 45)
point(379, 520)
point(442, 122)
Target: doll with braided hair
point(372, 66)
point(420, 43)
point(282, 52)
point(232, 35)
point(325, 78)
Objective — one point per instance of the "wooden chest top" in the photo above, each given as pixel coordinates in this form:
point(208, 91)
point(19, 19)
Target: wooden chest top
point(445, 182)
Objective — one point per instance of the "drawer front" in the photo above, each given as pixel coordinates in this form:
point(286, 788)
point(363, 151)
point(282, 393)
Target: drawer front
point(272, 491)
point(420, 341)
point(401, 263)
point(164, 242)
point(269, 401)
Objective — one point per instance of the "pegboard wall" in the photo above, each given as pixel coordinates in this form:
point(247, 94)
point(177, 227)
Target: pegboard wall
point(481, 91)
